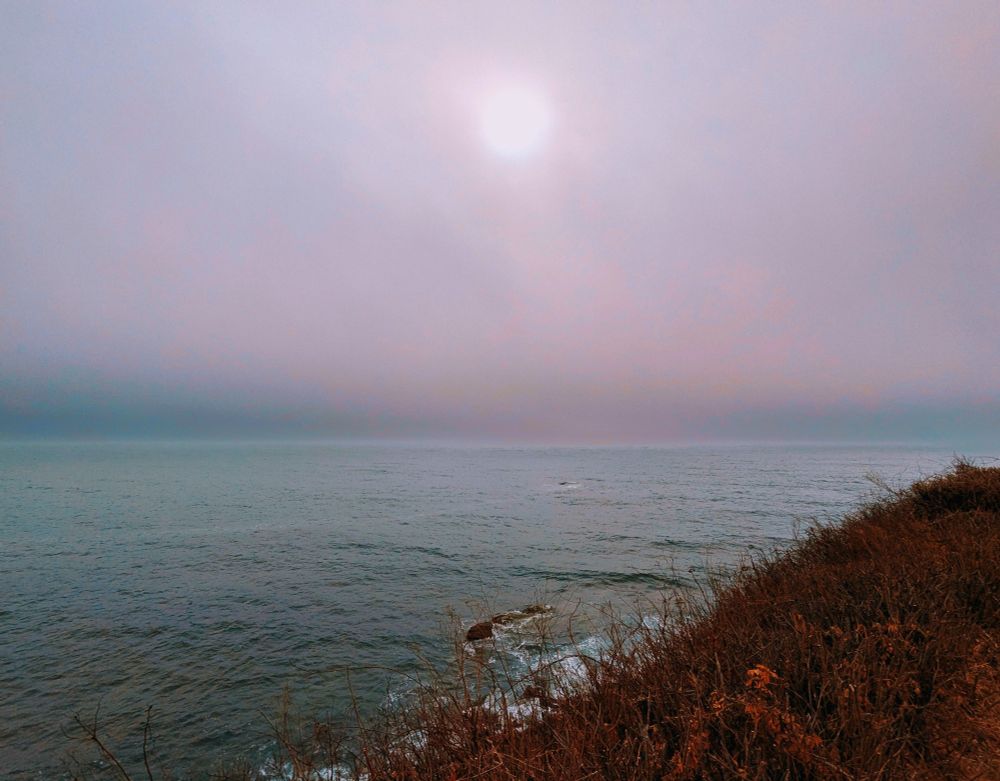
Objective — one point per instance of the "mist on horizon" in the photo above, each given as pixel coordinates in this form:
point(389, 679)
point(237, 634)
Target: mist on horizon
point(565, 223)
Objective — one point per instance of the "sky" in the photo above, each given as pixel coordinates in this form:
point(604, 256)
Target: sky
point(712, 220)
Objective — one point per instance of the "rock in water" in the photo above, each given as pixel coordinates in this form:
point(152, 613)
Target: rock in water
point(480, 631)
point(513, 616)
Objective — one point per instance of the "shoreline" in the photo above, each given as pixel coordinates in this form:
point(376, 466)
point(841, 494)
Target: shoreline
point(866, 650)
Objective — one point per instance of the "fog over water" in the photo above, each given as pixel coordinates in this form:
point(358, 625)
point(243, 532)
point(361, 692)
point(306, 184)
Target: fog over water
point(773, 220)
point(323, 321)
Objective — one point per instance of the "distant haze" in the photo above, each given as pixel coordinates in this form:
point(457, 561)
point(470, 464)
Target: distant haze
point(745, 220)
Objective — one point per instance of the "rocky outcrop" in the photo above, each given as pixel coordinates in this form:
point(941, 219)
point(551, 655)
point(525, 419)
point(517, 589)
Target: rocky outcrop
point(484, 629)
point(481, 631)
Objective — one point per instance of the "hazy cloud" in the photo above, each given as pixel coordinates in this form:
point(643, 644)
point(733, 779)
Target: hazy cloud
point(756, 220)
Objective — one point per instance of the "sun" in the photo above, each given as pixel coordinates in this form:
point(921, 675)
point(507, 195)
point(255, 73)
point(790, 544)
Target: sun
point(515, 122)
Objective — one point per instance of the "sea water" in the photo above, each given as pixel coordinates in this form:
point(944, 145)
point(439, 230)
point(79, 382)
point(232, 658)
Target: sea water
point(204, 579)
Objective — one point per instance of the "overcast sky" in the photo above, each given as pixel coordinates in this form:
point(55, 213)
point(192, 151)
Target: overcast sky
point(742, 220)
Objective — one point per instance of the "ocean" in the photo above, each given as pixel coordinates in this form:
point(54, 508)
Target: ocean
point(204, 579)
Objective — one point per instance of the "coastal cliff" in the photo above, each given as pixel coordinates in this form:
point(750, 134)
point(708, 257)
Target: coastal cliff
point(868, 650)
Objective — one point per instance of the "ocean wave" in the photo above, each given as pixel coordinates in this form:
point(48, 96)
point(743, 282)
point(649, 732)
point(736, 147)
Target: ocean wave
point(603, 577)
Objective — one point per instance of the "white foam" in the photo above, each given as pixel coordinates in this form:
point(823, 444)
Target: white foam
point(518, 658)
point(335, 773)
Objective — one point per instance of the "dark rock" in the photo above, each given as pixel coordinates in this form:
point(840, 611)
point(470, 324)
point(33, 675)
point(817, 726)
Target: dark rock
point(480, 631)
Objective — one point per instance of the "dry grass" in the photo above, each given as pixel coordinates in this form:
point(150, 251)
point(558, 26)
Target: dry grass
point(870, 650)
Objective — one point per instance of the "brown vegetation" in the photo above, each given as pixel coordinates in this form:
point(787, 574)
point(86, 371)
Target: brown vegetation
point(870, 650)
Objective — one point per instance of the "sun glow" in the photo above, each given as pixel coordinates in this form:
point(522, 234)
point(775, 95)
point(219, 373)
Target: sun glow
point(515, 122)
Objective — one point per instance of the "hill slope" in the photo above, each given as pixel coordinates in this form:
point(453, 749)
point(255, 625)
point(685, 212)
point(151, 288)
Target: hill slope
point(869, 650)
